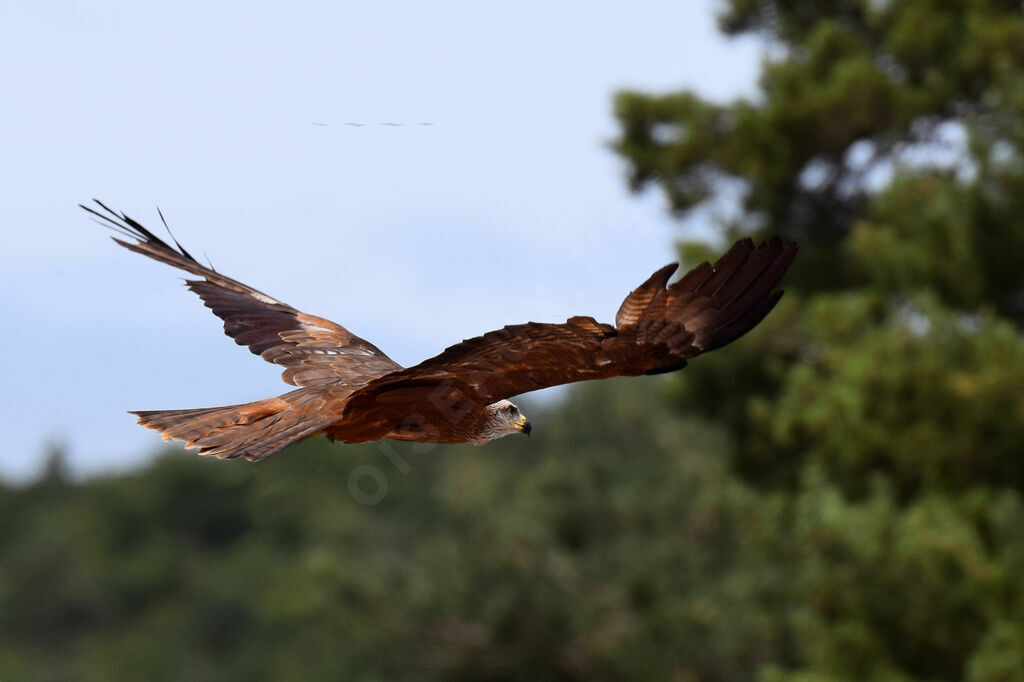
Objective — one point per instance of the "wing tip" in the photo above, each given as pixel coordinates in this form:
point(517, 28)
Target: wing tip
point(126, 226)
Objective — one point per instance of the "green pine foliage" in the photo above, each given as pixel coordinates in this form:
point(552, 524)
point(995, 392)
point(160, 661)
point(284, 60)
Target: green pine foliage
point(612, 545)
point(882, 404)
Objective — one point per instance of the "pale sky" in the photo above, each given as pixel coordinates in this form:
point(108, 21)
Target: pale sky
point(509, 208)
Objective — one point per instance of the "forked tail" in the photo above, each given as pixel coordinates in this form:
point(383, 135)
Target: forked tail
point(253, 430)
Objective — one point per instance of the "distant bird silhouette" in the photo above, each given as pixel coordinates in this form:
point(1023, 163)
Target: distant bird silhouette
point(389, 124)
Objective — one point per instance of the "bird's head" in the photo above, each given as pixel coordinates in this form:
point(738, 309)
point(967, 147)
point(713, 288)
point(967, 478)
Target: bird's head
point(506, 419)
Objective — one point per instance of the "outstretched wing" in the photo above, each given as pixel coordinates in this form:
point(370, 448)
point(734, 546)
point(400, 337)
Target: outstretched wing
point(658, 327)
point(313, 351)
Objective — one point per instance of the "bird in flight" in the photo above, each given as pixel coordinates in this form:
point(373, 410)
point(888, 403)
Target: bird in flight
point(350, 391)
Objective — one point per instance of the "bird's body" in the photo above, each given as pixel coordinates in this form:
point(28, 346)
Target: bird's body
point(352, 392)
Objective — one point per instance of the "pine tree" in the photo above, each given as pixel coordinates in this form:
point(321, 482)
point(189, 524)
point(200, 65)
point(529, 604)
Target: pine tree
point(883, 401)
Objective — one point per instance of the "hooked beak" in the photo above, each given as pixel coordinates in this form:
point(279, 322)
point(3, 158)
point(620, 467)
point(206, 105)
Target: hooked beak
point(522, 424)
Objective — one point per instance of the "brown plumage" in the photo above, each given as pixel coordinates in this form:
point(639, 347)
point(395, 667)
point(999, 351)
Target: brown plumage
point(353, 392)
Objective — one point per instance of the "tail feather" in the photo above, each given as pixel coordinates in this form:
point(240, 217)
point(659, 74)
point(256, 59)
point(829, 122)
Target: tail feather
point(253, 430)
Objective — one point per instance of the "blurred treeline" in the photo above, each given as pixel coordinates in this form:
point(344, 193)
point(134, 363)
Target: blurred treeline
point(838, 496)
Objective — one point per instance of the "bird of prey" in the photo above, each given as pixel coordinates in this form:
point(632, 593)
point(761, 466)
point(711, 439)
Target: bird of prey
point(350, 391)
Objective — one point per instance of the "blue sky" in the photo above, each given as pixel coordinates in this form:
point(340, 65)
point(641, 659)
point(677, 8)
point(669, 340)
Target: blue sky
point(509, 208)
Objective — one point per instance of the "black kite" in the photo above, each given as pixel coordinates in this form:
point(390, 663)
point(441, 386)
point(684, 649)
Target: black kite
point(352, 392)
